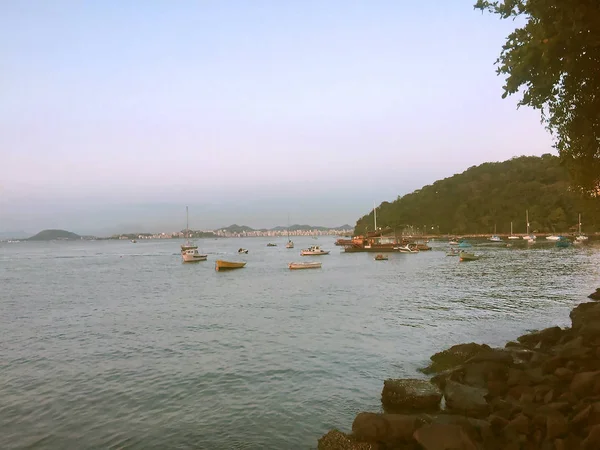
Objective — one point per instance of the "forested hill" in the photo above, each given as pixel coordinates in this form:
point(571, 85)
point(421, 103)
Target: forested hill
point(492, 194)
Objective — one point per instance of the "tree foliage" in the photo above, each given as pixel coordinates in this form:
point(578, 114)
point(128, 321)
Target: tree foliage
point(554, 60)
point(493, 195)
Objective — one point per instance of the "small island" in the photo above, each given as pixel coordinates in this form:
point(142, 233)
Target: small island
point(50, 235)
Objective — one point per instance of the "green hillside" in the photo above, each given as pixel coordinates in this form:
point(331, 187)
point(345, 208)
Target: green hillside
point(492, 194)
point(49, 235)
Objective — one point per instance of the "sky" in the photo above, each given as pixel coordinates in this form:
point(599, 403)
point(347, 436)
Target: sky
point(114, 115)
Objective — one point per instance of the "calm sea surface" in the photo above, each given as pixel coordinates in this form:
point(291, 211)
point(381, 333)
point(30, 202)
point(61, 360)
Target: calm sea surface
point(109, 344)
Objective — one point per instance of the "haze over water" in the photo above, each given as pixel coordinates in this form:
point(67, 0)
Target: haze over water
point(113, 344)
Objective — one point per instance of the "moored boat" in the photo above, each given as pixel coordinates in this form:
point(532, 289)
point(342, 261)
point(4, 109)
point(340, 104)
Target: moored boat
point(189, 251)
point(227, 265)
point(290, 244)
point(304, 265)
point(270, 244)
point(313, 250)
point(467, 256)
point(243, 250)
point(381, 257)
point(407, 249)
point(562, 242)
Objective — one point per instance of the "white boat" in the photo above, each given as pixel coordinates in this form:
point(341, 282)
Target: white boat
point(189, 251)
point(512, 236)
point(304, 265)
point(406, 249)
point(496, 238)
point(313, 250)
point(289, 244)
point(243, 250)
point(553, 238)
point(580, 237)
point(528, 237)
point(453, 242)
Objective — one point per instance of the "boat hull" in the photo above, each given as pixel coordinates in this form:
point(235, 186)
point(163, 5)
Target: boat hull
point(300, 266)
point(228, 265)
point(467, 256)
point(188, 258)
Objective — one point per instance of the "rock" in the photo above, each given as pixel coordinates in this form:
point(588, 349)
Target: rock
point(519, 424)
point(584, 313)
point(386, 428)
point(497, 422)
point(592, 441)
point(590, 330)
point(548, 337)
point(466, 400)
point(582, 416)
point(500, 356)
point(564, 374)
point(410, 395)
point(595, 295)
point(454, 356)
point(440, 436)
point(336, 440)
point(556, 426)
point(584, 382)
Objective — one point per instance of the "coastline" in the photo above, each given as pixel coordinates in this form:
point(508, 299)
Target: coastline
point(541, 391)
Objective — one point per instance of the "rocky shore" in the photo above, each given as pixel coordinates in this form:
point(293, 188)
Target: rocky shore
point(540, 392)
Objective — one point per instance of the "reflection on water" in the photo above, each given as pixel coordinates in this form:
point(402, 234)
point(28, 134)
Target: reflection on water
point(109, 343)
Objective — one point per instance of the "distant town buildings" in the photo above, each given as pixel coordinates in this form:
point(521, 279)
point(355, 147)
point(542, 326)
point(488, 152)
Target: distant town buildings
point(224, 233)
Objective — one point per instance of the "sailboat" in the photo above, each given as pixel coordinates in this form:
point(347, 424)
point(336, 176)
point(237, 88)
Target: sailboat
point(189, 251)
point(289, 244)
point(512, 236)
point(580, 236)
point(495, 237)
point(528, 237)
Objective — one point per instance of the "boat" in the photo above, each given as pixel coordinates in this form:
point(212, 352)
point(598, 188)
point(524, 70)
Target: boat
point(313, 250)
point(512, 236)
point(453, 242)
point(563, 242)
point(580, 237)
point(381, 257)
point(464, 244)
point(228, 265)
point(467, 256)
point(133, 241)
point(289, 244)
point(452, 252)
point(495, 237)
point(304, 265)
point(243, 250)
point(270, 244)
point(189, 251)
point(553, 237)
point(528, 237)
point(407, 249)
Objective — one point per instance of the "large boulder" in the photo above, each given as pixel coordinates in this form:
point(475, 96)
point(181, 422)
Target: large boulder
point(584, 313)
point(467, 400)
point(546, 337)
point(336, 440)
point(595, 295)
point(454, 356)
point(389, 429)
point(410, 395)
point(439, 436)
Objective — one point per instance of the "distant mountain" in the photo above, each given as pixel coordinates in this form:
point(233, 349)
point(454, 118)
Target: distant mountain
point(14, 235)
point(237, 228)
point(49, 235)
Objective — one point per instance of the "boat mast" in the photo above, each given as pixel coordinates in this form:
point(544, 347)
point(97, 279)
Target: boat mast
point(527, 219)
point(288, 228)
point(187, 224)
point(579, 223)
point(375, 215)
point(511, 229)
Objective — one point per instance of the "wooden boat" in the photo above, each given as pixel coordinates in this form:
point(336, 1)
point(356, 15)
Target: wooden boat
point(270, 244)
point(314, 250)
point(227, 265)
point(304, 265)
point(466, 256)
point(243, 250)
point(381, 257)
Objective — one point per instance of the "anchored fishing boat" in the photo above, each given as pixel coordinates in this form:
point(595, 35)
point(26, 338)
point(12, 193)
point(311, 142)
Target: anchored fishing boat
point(314, 250)
point(228, 265)
point(304, 265)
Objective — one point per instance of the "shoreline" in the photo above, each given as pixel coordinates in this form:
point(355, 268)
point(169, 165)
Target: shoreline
point(540, 391)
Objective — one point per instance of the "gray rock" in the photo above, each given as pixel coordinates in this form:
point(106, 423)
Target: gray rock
point(466, 400)
point(410, 395)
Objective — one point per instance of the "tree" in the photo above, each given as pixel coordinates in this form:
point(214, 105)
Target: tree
point(554, 59)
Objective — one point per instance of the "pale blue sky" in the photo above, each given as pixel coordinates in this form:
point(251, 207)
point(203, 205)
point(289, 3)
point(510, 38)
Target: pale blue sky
point(119, 113)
